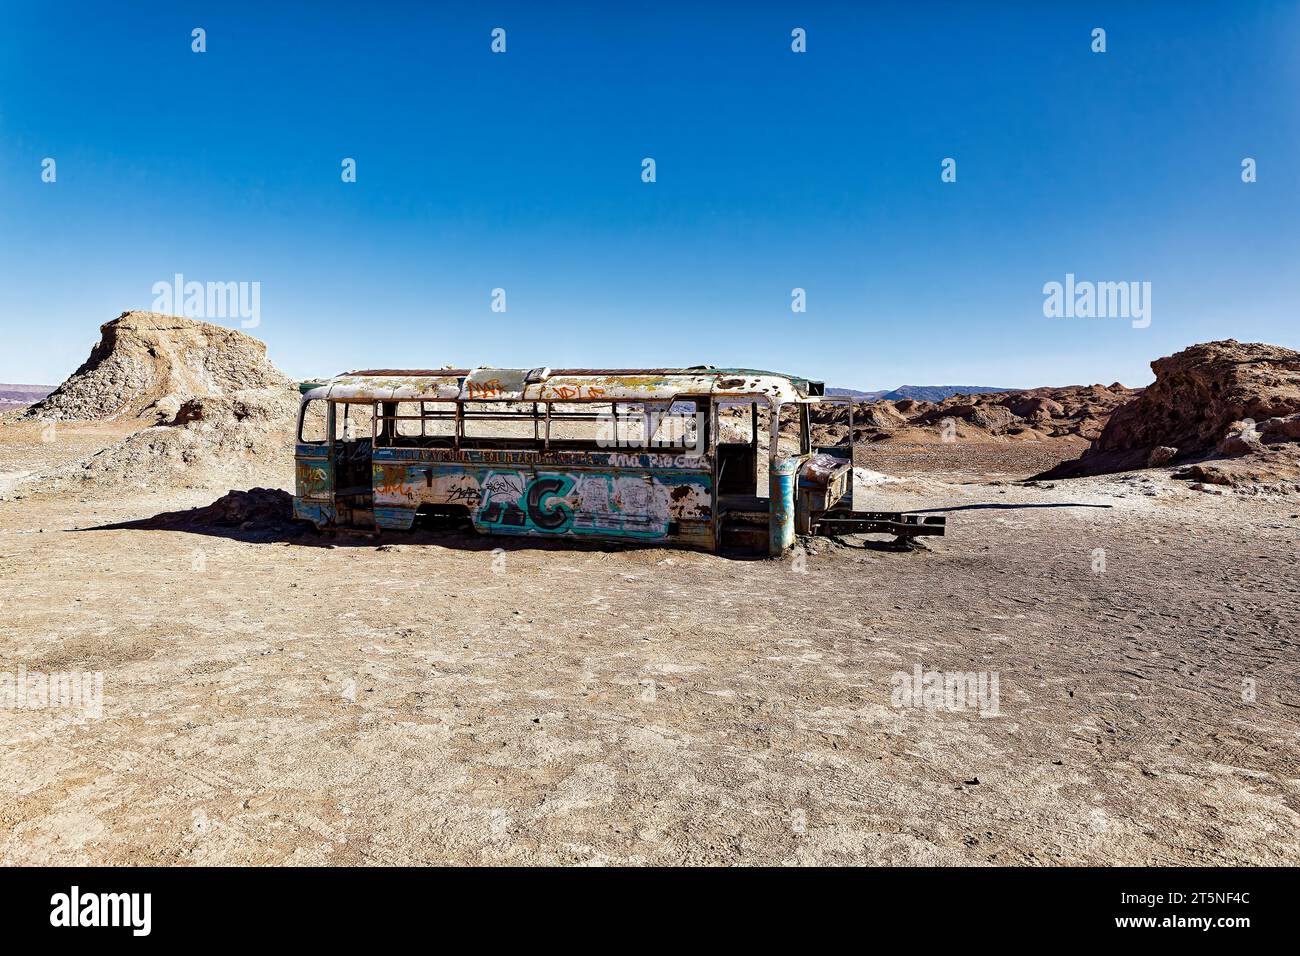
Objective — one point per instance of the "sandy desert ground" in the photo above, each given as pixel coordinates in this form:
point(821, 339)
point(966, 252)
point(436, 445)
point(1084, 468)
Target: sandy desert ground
point(299, 699)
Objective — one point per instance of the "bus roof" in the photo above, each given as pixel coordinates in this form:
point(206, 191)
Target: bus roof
point(560, 385)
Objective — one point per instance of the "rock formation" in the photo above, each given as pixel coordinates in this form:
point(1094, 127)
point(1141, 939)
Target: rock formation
point(146, 364)
point(1228, 408)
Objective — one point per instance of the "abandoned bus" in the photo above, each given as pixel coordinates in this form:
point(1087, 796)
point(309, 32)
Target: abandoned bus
point(699, 457)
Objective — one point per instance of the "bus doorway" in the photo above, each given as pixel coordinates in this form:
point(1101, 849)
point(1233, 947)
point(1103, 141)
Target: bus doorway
point(350, 452)
point(741, 499)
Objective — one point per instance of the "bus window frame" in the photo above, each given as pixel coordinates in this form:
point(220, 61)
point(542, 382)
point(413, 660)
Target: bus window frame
point(329, 422)
point(540, 412)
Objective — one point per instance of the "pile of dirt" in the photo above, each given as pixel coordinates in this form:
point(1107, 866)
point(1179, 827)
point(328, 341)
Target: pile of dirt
point(1074, 412)
point(1229, 409)
point(256, 507)
point(147, 364)
point(241, 438)
point(259, 514)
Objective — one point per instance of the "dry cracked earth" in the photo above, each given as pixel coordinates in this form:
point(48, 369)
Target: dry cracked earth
point(307, 700)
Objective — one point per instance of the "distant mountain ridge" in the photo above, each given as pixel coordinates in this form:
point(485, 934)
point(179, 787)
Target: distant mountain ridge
point(861, 396)
point(924, 393)
point(20, 396)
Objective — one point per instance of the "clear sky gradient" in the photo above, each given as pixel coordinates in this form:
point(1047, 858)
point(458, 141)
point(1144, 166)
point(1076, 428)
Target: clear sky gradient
point(775, 170)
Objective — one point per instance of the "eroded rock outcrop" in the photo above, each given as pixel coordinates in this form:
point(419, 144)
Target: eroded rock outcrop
point(1041, 414)
point(146, 364)
point(1211, 404)
point(205, 407)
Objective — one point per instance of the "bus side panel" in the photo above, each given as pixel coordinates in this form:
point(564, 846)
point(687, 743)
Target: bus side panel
point(611, 505)
point(548, 500)
point(401, 486)
point(313, 498)
point(319, 513)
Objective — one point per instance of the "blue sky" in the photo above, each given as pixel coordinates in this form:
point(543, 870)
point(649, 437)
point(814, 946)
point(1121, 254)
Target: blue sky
point(775, 170)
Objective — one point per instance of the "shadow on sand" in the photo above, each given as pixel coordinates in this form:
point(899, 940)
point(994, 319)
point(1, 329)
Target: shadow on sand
point(1003, 506)
point(461, 537)
point(264, 516)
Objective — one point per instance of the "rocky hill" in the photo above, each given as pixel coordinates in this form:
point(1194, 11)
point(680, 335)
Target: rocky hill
point(1230, 410)
point(1039, 414)
point(207, 407)
point(146, 364)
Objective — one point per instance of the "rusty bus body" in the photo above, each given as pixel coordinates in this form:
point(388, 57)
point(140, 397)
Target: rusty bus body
point(395, 445)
